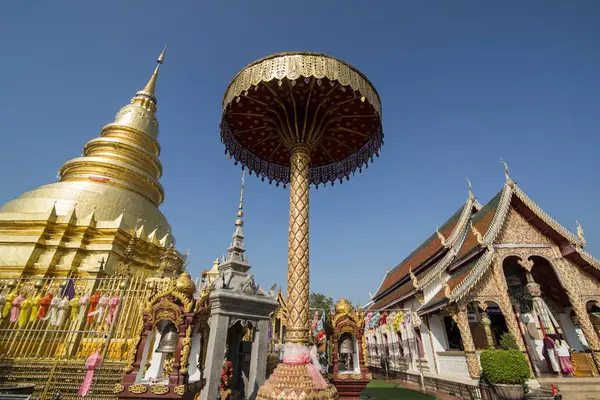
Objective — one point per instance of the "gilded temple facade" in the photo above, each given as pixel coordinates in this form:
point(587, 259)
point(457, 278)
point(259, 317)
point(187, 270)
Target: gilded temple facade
point(502, 267)
point(105, 203)
point(78, 257)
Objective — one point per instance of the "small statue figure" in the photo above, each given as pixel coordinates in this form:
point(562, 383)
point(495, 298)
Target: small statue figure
point(226, 376)
point(168, 366)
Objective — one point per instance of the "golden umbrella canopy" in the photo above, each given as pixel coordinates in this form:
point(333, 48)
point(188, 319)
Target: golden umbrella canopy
point(300, 98)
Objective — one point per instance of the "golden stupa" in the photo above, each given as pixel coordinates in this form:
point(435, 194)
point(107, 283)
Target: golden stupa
point(104, 202)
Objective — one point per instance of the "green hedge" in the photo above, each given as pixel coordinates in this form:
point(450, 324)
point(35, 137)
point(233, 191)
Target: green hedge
point(505, 366)
point(508, 342)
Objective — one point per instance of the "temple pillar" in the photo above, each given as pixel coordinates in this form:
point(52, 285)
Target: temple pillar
point(258, 359)
point(510, 317)
point(219, 325)
point(568, 281)
point(462, 320)
point(511, 320)
point(587, 328)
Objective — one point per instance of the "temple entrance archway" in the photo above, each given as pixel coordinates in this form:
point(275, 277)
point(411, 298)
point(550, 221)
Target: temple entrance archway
point(487, 324)
point(542, 308)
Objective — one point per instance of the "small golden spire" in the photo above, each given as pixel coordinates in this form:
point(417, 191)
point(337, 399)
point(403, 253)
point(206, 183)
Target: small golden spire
point(581, 234)
point(240, 214)
point(150, 88)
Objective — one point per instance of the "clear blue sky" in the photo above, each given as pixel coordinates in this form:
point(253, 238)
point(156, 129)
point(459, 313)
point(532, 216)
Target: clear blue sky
point(463, 84)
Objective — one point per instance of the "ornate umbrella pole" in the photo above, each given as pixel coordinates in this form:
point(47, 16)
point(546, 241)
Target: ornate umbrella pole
point(298, 320)
point(300, 119)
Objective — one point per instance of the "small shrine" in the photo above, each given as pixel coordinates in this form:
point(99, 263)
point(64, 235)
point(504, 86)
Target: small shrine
point(350, 372)
point(167, 357)
point(239, 323)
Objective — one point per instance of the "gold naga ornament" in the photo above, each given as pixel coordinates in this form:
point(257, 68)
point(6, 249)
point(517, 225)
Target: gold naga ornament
point(300, 118)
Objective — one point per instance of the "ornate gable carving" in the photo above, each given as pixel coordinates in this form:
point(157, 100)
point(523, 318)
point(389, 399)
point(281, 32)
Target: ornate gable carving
point(166, 308)
point(518, 231)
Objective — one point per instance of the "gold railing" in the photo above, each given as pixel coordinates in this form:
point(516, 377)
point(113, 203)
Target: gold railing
point(61, 337)
point(50, 352)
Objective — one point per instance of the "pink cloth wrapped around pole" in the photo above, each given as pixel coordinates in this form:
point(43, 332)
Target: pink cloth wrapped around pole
point(297, 354)
point(16, 308)
point(91, 364)
point(112, 308)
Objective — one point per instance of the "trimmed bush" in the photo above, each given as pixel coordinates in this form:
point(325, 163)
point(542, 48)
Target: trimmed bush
point(508, 367)
point(508, 342)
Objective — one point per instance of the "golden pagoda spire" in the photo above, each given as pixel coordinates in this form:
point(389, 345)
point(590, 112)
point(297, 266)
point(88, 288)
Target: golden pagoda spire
point(126, 153)
point(150, 89)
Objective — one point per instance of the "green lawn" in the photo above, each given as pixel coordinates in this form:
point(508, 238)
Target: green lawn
point(382, 390)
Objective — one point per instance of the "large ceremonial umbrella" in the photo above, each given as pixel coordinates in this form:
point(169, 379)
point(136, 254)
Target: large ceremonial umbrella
point(299, 119)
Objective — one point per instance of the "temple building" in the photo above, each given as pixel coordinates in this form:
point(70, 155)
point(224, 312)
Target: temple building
point(502, 267)
point(105, 202)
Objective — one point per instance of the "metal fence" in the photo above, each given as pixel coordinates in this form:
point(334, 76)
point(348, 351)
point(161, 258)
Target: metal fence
point(68, 329)
point(47, 335)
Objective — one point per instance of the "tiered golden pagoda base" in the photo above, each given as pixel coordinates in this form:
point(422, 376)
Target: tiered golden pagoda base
point(294, 382)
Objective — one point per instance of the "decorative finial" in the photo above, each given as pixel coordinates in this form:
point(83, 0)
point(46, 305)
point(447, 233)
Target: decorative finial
point(477, 234)
point(509, 181)
point(415, 281)
point(161, 58)
point(370, 295)
point(447, 290)
point(441, 237)
point(387, 270)
point(240, 214)
point(580, 234)
point(471, 195)
point(150, 88)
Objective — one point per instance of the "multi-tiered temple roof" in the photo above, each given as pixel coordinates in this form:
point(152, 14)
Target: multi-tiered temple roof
point(454, 258)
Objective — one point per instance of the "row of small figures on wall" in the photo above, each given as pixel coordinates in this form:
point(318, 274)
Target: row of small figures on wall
point(23, 306)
